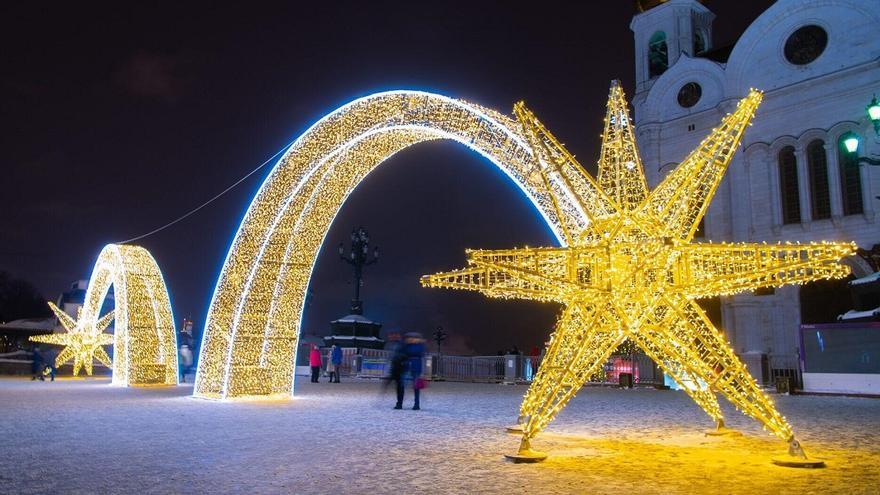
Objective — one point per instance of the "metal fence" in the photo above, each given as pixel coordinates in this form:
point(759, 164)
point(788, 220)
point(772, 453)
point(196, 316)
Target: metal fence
point(349, 360)
point(642, 368)
point(469, 368)
point(375, 363)
point(785, 367)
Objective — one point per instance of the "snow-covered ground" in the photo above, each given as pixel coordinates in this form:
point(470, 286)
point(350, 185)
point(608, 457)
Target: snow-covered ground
point(83, 436)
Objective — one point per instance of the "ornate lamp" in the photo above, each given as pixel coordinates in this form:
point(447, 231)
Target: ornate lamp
point(873, 110)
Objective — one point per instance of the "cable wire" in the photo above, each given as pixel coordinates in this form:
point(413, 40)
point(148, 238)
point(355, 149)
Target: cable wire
point(206, 203)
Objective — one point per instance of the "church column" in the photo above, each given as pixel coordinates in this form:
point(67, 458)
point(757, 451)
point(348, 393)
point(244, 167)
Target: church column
point(775, 196)
point(834, 181)
point(740, 212)
point(800, 156)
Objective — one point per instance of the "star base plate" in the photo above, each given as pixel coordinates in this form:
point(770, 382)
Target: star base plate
point(526, 455)
point(798, 462)
point(723, 432)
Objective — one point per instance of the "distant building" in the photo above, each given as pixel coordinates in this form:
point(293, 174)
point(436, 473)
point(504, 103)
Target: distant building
point(818, 63)
point(355, 330)
point(71, 300)
point(15, 334)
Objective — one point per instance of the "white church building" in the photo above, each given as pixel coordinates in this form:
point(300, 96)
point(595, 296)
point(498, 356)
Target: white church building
point(818, 63)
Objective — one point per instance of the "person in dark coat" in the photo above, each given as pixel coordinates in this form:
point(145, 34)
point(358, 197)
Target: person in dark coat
point(398, 370)
point(36, 363)
point(49, 363)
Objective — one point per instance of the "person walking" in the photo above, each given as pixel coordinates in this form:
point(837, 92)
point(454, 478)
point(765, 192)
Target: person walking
point(415, 353)
point(333, 367)
point(185, 361)
point(315, 363)
point(398, 371)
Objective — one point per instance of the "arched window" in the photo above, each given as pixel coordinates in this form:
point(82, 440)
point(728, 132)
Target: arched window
point(699, 42)
point(658, 56)
point(820, 202)
point(850, 179)
point(788, 186)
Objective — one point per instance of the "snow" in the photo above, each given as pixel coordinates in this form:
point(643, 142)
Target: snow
point(31, 324)
point(853, 314)
point(83, 436)
point(352, 319)
point(874, 277)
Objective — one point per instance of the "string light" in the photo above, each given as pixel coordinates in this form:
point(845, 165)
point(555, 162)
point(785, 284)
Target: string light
point(632, 272)
point(144, 340)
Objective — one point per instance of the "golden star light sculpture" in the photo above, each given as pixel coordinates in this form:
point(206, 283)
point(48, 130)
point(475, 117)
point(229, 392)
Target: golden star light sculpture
point(632, 271)
point(83, 340)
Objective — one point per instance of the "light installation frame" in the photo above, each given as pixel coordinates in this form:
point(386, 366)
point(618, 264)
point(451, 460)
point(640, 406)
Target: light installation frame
point(633, 273)
point(144, 339)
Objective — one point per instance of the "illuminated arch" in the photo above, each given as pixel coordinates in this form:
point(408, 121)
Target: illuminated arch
point(144, 343)
point(252, 326)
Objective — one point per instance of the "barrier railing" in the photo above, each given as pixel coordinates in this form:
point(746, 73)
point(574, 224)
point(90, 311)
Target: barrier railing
point(787, 367)
point(375, 363)
point(642, 368)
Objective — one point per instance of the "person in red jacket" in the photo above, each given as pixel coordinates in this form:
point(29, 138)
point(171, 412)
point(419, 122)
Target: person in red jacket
point(315, 363)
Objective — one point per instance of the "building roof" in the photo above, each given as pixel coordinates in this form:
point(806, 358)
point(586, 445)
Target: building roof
point(354, 319)
point(870, 279)
point(36, 324)
point(353, 337)
point(860, 315)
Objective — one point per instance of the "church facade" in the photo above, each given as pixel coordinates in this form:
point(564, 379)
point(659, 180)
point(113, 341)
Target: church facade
point(818, 63)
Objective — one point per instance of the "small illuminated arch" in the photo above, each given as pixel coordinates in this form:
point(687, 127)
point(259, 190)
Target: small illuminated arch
point(252, 327)
point(145, 343)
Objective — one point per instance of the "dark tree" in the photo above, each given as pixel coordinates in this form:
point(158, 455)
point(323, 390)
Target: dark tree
point(20, 299)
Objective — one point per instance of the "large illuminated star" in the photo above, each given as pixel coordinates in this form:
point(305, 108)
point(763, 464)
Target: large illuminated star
point(630, 270)
point(83, 340)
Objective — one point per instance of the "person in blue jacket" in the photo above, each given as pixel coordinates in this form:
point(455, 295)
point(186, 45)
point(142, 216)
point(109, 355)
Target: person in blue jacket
point(414, 348)
point(335, 363)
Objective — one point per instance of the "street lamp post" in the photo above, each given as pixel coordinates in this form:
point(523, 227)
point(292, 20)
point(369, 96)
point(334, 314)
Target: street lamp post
point(358, 258)
point(851, 143)
point(439, 337)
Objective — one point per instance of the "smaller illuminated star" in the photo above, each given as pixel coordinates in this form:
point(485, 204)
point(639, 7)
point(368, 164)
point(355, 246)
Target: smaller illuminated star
point(83, 341)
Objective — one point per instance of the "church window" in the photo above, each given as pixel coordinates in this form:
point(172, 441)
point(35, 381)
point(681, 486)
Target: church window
point(658, 56)
point(699, 42)
point(788, 186)
point(820, 202)
point(689, 94)
point(850, 179)
point(805, 44)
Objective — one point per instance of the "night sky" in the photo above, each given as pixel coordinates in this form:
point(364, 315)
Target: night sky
point(118, 118)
